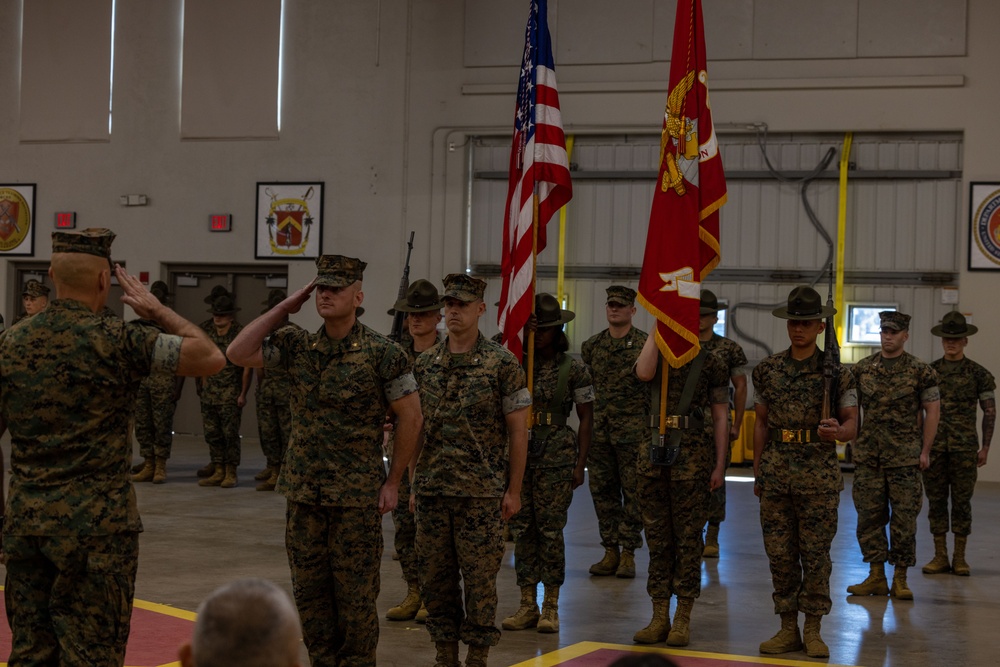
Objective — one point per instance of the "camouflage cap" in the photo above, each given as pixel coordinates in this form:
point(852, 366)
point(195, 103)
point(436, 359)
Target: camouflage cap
point(621, 294)
point(421, 297)
point(954, 325)
point(94, 241)
point(895, 320)
point(274, 297)
point(548, 312)
point(804, 303)
point(216, 292)
point(224, 305)
point(160, 290)
point(338, 270)
point(464, 288)
point(35, 288)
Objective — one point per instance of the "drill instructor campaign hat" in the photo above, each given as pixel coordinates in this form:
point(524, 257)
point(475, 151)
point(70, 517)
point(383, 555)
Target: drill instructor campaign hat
point(953, 325)
point(421, 297)
point(549, 314)
point(710, 303)
point(804, 303)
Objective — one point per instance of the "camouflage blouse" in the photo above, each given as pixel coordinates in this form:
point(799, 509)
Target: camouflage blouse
point(340, 391)
point(67, 383)
point(465, 399)
point(620, 398)
point(560, 449)
point(274, 387)
point(963, 385)
point(224, 387)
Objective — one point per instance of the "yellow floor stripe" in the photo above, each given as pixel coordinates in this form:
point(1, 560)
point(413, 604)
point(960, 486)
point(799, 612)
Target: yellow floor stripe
point(583, 648)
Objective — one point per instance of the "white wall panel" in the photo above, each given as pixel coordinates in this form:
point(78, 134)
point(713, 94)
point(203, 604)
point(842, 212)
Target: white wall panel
point(919, 28)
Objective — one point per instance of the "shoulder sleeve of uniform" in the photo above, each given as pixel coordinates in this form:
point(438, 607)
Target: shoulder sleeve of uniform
point(581, 382)
point(513, 384)
point(149, 350)
point(394, 369)
point(280, 344)
point(985, 383)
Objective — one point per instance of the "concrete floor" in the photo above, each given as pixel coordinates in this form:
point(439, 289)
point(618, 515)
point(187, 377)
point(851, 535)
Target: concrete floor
point(197, 538)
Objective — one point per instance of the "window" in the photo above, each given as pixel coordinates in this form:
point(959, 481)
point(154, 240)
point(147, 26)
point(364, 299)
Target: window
point(720, 326)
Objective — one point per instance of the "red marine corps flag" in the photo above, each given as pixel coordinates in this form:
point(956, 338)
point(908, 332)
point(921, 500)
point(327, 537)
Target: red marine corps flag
point(682, 245)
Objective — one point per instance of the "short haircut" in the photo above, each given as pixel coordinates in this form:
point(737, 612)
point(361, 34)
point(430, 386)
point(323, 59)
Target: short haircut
point(246, 623)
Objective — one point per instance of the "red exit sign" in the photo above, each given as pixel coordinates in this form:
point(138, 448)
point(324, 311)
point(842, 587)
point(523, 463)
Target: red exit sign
point(222, 222)
point(65, 220)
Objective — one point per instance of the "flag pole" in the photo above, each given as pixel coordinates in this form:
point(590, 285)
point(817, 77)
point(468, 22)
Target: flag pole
point(664, 386)
point(530, 352)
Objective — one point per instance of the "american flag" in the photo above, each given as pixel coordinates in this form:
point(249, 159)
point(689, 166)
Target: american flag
point(538, 166)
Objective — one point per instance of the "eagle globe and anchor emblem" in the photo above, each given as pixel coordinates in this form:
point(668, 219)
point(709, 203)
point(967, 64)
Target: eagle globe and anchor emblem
point(15, 219)
point(987, 227)
point(288, 223)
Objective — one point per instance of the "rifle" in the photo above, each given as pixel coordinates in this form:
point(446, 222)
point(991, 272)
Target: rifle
point(831, 361)
point(396, 333)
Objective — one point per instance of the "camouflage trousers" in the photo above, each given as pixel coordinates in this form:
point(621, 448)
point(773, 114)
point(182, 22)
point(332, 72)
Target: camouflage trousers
point(798, 531)
point(405, 540)
point(460, 539)
point(69, 599)
point(539, 548)
point(887, 496)
point(334, 554)
point(951, 474)
point(222, 431)
point(611, 474)
point(154, 422)
point(673, 513)
point(274, 426)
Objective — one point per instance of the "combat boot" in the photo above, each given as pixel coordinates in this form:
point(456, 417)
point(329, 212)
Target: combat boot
point(900, 589)
point(230, 480)
point(787, 639)
point(680, 631)
point(421, 616)
point(146, 474)
point(814, 644)
point(939, 564)
point(206, 471)
point(410, 605)
point(477, 656)
point(217, 476)
point(607, 565)
point(711, 549)
point(447, 654)
point(659, 627)
point(139, 466)
point(875, 584)
point(526, 615)
point(272, 481)
point(160, 471)
point(549, 622)
point(626, 565)
point(958, 564)
point(264, 474)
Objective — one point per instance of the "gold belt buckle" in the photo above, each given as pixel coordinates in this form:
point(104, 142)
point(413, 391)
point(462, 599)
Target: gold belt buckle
point(672, 421)
point(791, 435)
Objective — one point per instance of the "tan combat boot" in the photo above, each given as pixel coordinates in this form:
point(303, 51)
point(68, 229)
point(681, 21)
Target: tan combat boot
point(160, 471)
point(680, 632)
point(607, 565)
point(527, 614)
point(900, 589)
point(139, 466)
point(230, 480)
point(939, 564)
point(626, 565)
point(787, 639)
point(711, 549)
point(477, 656)
point(216, 478)
point(875, 584)
point(206, 471)
point(264, 474)
point(958, 564)
point(421, 616)
point(146, 474)
point(410, 605)
point(272, 481)
point(814, 644)
point(549, 622)
point(447, 654)
point(659, 627)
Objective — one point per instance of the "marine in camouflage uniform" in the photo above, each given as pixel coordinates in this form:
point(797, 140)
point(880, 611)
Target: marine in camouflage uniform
point(468, 476)
point(674, 496)
point(344, 377)
point(796, 471)
point(736, 361)
point(155, 402)
point(621, 426)
point(34, 298)
point(422, 307)
point(901, 404)
point(274, 414)
point(71, 528)
point(956, 454)
point(223, 396)
point(556, 461)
